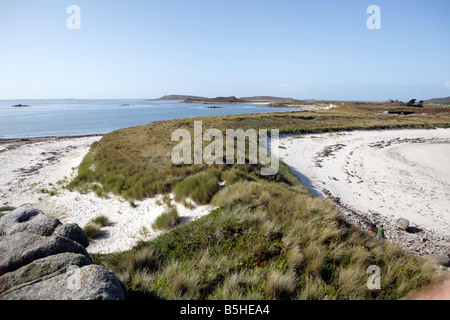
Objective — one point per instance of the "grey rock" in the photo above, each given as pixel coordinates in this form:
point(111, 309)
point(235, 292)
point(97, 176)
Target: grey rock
point(91, 282)
point(401, 223)
point(22, 248)
point(73, 232)
point(42, 268)
point(27, 220)
point(42, 259)
point(440, 259)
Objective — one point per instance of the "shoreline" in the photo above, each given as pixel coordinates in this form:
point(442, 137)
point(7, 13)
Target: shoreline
point(46, 138)
point(366, 175)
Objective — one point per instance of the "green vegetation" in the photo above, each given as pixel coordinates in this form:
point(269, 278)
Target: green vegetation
point(187, 204)
point(52, 192)
point(167, 220)
point(101, 220)
point(266, 241)
point(269, 238)
point(5, 209)
point(93, 228)
point(85, 173)
point(167, 201)
point(200, 187)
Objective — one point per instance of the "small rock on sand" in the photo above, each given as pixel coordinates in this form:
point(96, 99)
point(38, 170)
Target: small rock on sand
point(401, 223)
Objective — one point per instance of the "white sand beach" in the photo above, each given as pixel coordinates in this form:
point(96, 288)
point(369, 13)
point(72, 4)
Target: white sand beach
point(381, 175)
point(30, 165)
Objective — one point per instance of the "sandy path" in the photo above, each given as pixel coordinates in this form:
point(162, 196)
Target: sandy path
point(29, 165)
point(381, 175)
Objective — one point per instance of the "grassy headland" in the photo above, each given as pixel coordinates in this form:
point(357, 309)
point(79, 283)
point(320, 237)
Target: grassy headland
point(268, 238)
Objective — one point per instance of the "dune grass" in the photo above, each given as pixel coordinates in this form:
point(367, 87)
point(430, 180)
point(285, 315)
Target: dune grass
point(167, 220)
point(92, 230)
point(258, 245)
point(6, 209)
point(200, 187)
point(94, 227)
point(101, 220)
point(268, 238)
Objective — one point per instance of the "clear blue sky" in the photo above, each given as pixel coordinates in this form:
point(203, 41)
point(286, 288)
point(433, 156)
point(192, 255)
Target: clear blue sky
point(307, 49)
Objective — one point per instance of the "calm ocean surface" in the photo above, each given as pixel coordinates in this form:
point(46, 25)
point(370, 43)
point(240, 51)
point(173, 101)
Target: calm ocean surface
point(70, 117)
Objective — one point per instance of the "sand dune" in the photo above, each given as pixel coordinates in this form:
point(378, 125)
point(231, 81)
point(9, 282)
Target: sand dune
point(31, 165)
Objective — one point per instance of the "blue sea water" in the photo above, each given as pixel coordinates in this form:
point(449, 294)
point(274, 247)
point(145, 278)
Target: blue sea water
point(69, 117)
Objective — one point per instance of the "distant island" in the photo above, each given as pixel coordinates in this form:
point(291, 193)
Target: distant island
point(220, 100)
point(176, 97)
point(21, 105)
point(441, 101)
point(233, 99)
point(265, 98)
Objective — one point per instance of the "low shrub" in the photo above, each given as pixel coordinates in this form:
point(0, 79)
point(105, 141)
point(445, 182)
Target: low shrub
point(97, 189)
point(92, 230)
point(7, 208)
point(113, 183)
point(101, 220)
point(167, 220)
point(200, 187)
point(233, 175)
